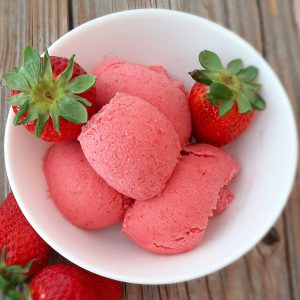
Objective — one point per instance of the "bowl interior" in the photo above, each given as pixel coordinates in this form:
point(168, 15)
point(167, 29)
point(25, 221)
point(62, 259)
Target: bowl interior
point(267, 152)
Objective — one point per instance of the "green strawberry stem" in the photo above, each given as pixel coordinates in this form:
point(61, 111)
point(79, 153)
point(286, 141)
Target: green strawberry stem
point(13, 279)
point(230, 84)
point(42, 97)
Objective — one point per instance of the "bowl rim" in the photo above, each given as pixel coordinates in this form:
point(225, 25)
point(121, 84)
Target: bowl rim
point(175, 277)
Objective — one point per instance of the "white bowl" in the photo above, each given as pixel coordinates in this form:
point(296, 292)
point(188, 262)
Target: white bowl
point(267, 152)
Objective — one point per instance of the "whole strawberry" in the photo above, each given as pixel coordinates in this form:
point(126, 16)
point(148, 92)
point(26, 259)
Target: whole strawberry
point(52, 96)
point(68, 282)
point(24, 253)
point(223, 100)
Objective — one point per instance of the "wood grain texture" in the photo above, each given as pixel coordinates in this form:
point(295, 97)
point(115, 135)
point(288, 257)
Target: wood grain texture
point(271, 269)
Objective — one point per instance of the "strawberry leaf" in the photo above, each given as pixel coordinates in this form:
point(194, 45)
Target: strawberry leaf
point(32, 62)
point(17, 99)
point(55, 120)
point(72, 111)
point(81, 84)
point(243, 103)
point(258, 102)
point(28, 266)
point(200, 76)
point(79, 99)
point(47, 69)
point(210, 60)
point(16, 81)
point(225, 106)
point(66, 75)
point(220, 91)
point(3, 254)
point(22, 71)
point(254, 85)
point(211, 99)
point(31, 115)
point(20, 113)
point(248, 74)
point(4, 284)
point(40, 124)
point(235, 66)
point(14, 295)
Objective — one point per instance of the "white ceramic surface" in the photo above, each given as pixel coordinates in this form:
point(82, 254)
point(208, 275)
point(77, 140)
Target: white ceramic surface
point(267, 152)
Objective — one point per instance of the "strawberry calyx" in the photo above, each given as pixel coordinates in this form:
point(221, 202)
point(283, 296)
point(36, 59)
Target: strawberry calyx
point(230, 84)
point(41, 96)
point(13, 278)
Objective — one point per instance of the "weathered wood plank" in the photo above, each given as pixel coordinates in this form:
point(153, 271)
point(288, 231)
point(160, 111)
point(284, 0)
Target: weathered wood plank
point(280, 28)
point(50, 21)
point(14, 35)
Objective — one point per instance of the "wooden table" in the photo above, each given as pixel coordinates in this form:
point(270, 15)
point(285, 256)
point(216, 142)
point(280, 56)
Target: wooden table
point(272, 269)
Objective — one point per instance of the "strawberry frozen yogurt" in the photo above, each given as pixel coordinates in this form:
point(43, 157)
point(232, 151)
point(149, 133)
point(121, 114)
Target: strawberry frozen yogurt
point(225, 198)
point(83, 197)
point(152, 84)
point(135, 147)
point(132, 146)
point(175, 221)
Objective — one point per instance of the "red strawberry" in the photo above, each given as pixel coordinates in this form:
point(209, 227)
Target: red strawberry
point(18, 238)
point(19, 244)
point(68, 282)
point(223, 100)
point(52, 96)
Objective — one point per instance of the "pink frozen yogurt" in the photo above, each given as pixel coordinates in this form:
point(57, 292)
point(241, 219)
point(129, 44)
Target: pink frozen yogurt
point(132, 146)
point(175, 221)
point(225, 198)
point(82, 196)
point(152, 84)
